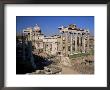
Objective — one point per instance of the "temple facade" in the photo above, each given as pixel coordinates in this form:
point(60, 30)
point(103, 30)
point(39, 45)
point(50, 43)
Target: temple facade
point(74, 40)
point(71, 40)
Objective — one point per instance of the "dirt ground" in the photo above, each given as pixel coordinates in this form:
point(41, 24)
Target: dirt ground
point(68, 70)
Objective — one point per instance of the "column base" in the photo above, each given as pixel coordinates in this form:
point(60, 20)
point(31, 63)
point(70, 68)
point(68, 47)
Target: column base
point(71, 54)
point(75, 53)
point(83, 52)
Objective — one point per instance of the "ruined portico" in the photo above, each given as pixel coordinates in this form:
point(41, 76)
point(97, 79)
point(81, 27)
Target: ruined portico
point(74, 40)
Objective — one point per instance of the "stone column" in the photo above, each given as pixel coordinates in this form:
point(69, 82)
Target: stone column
point(79, 43)
point(71, 42)
point(44, 46)
point(88, 42)
point(61, 44)
point(83, 43)
point(66, 44)
point(75, 43)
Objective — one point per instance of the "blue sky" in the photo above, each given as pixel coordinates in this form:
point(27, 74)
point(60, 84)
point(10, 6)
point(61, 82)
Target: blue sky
point(49, 24)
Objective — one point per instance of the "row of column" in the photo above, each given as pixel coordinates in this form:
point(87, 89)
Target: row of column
point(76, 46)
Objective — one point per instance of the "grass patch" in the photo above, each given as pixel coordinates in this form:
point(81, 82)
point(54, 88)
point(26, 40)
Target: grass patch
point(81, 54)
point(91, 52)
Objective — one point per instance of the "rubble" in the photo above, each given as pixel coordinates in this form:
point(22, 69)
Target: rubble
point(84, 65)
point(65, 61)
point(52, 69)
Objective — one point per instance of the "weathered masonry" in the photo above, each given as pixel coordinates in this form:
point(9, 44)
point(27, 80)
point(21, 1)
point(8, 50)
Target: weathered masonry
point(74, 40)
point(71, 40)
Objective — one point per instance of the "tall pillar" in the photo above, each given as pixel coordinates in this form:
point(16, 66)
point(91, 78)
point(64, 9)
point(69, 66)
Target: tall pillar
point(83, 43)
point(44, 47)
point(71, 42)
point(79, 43)
point(88, 42)
point(75, 43)
point(66, 43)
point(61, 44)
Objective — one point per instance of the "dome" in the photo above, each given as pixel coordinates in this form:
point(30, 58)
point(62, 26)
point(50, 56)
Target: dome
point(37, 28)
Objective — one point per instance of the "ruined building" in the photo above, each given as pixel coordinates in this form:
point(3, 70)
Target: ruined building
point(71, 40)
